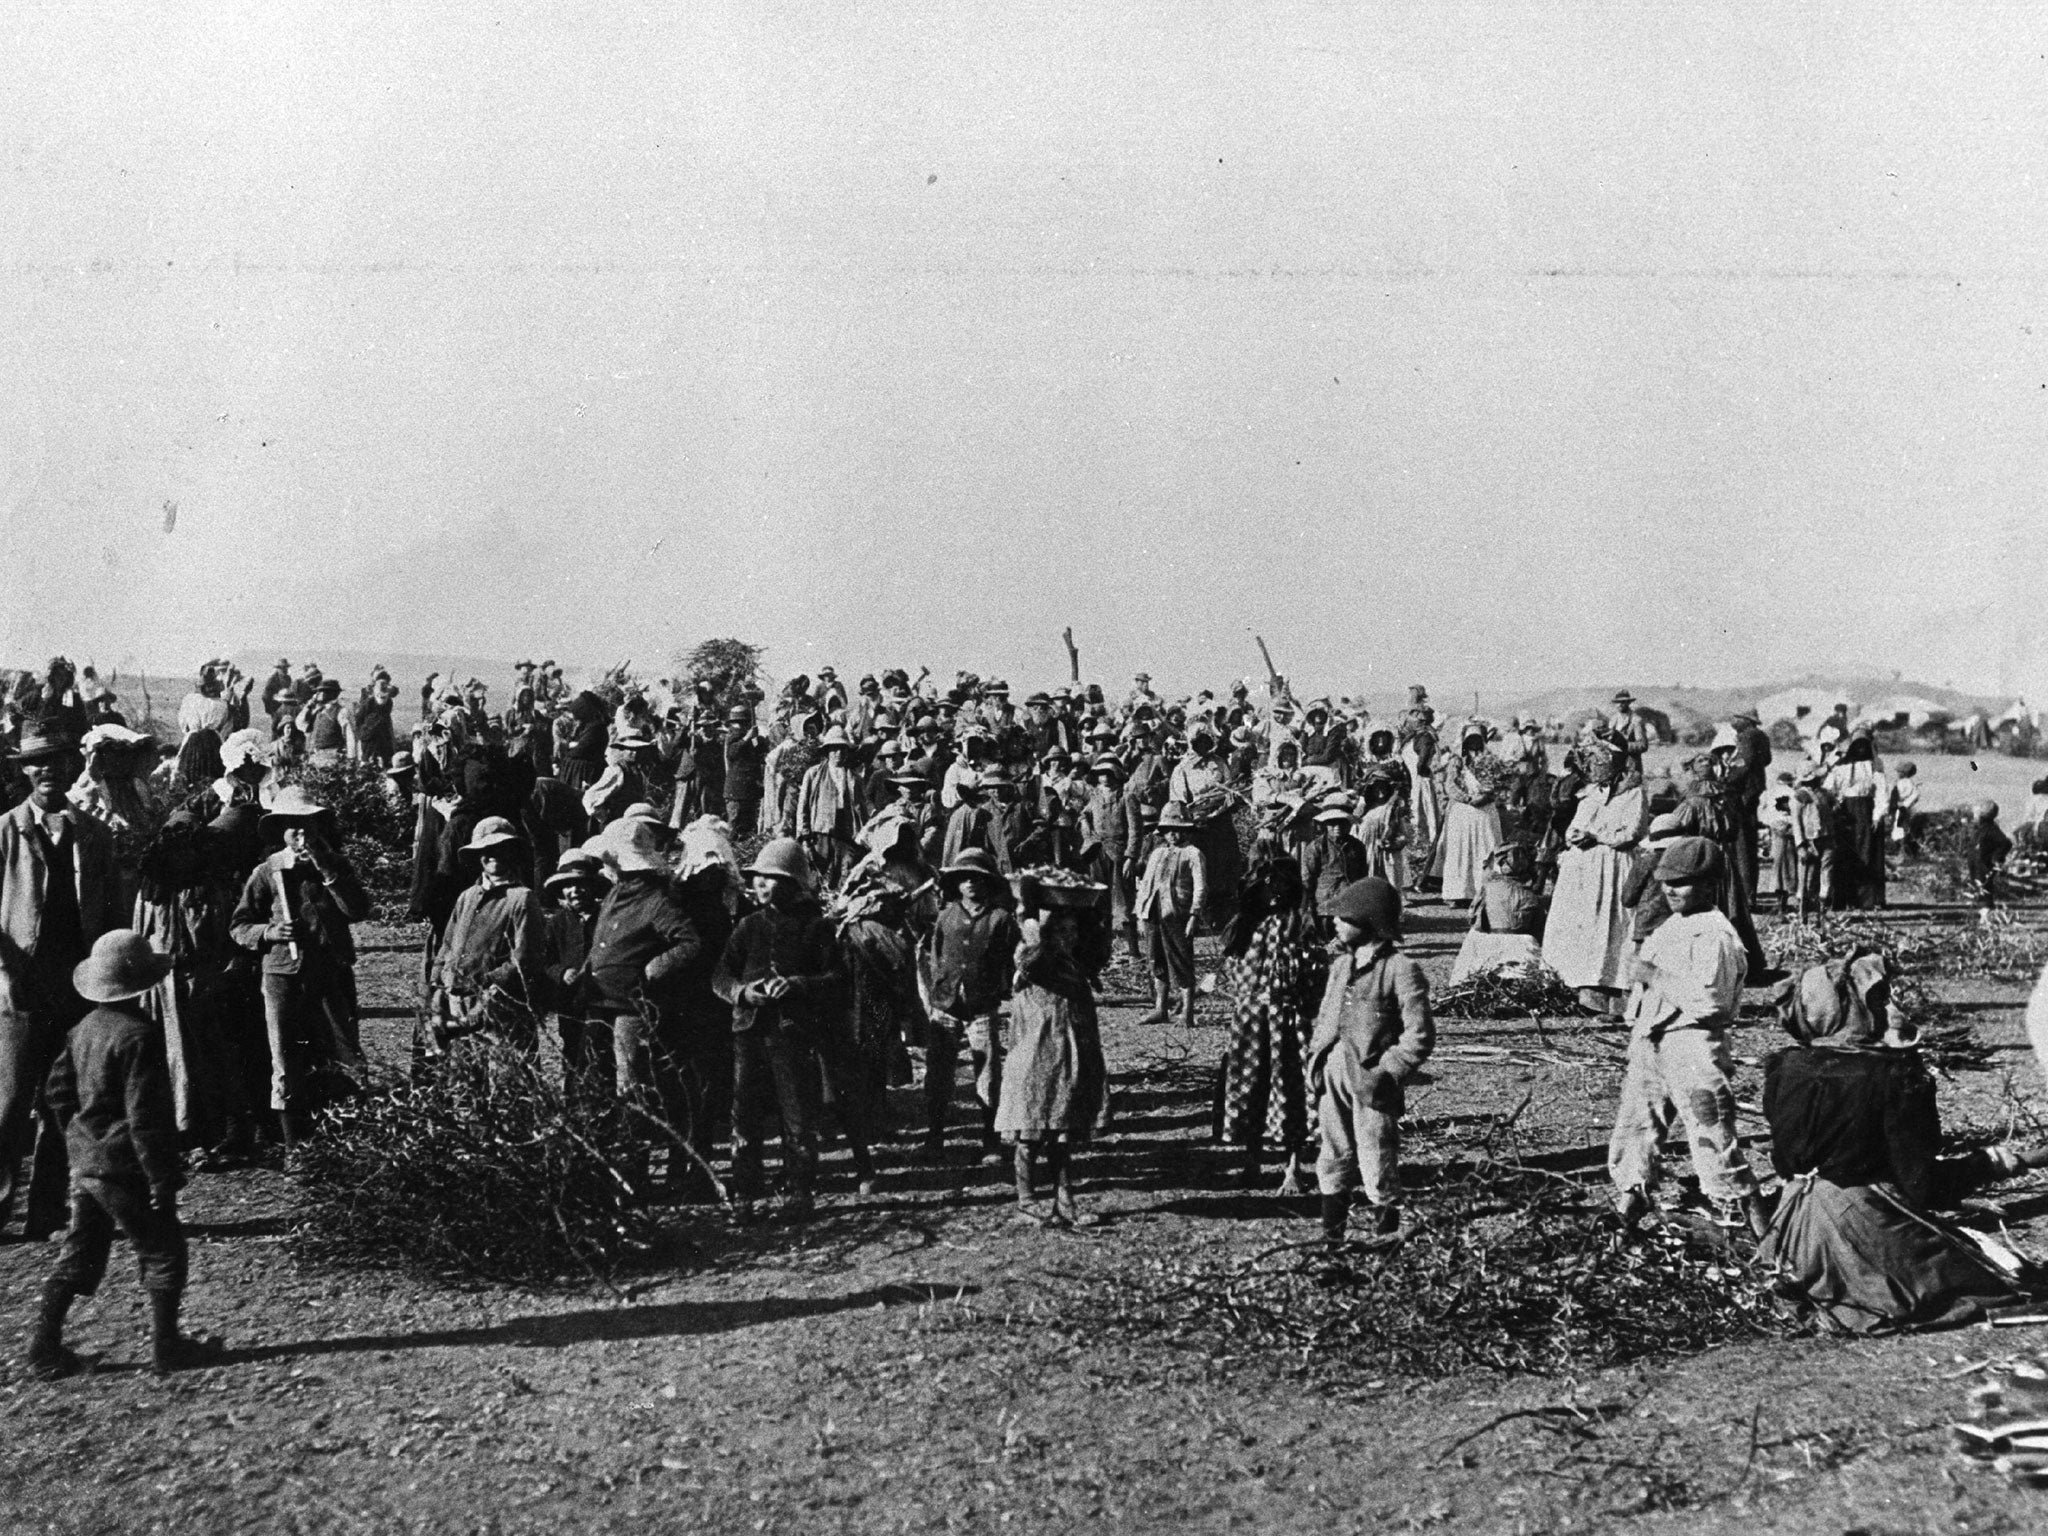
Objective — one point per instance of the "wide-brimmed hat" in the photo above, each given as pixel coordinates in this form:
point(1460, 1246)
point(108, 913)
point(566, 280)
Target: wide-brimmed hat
point(1336, 810)
point(783, 858)
point(835, 737)
point(401, 766)
point(739, 714)
point(1623, 696)
point(42, 740)
point(972, 861)
point(577, 867)
point(1175, 816)
point(491, 834)
point(123, 964)
point(631, 742)
point(910, 778)
point(1107, 764)
point(293, 807)
point(631, 846)
point(243, 747)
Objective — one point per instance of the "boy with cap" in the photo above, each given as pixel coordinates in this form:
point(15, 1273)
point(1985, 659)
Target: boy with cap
point(111, 1091)
point(1688, 987)
point(973, 948)
point(1373, 1032)
point(1335, 860)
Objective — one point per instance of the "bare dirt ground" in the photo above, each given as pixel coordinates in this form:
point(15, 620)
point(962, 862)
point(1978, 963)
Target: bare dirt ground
point(913, 1362)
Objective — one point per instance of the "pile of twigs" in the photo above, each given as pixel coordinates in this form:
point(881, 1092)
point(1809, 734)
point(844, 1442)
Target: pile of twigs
point(1503, 995)
point(1504, 1268)
point(487, 1171)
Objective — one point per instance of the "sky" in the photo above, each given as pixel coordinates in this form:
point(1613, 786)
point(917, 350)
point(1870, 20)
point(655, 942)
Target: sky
point(1491, 346)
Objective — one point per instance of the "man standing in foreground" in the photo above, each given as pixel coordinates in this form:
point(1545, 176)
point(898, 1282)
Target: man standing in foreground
point(58, 890)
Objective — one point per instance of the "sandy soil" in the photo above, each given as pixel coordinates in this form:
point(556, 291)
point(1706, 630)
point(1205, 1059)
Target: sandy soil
point(909, 1362)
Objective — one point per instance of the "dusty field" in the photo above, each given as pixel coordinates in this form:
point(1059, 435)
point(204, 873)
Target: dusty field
point(909, 1363)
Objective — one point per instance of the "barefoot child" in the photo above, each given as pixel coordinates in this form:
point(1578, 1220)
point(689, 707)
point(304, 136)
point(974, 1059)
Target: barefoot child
point(972, 954)
point(111, 1091)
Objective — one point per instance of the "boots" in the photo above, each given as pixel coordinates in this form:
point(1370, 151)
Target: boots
point(1028, 1205)
point(1158, 1013)
point(1386, 1220)
point(1336, 1212)
point(46, 1358)
point(169, 1349)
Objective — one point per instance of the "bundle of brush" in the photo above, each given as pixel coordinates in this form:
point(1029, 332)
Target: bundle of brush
point(1502, 1268)
point(486, 1170)
point(1536, 993)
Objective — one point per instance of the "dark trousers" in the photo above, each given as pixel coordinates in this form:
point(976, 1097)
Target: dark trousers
point(773, 1071)
point(311, 1021)
point(981, 1038)
point(98, 1207)
point(742, 815)
point(29, 1042)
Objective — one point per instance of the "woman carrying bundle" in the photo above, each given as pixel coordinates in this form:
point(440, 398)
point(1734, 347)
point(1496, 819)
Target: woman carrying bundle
point(1472, 824)
point(1055, 1082)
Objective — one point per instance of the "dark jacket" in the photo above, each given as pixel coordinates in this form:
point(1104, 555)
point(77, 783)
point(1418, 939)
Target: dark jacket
point(643, 943)
point(746, 756)
point(973, 959)
point(495, 938)
point(111, 1091)
point(1854, 1117)
point(796, 943)
point(323, 904)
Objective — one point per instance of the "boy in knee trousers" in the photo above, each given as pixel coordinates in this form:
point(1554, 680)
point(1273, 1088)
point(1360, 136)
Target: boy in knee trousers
point(1689, 979)
point(1373, 1032)
point(111, 1091)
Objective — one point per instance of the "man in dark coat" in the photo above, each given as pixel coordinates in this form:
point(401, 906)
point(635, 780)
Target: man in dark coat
point(59, 891)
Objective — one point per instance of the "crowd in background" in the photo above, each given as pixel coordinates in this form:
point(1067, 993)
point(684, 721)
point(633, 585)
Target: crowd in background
point(741, 912)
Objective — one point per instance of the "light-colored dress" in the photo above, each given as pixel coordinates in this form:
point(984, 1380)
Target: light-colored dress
point(1384, 831)
point(1471, 833)
point(1055, 1082)
point(1586, 940)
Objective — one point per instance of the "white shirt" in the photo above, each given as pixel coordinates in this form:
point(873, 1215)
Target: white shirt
point(1694, 967)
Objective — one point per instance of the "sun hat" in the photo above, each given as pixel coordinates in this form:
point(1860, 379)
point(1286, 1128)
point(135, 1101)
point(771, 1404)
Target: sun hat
point(293, 807)
point(971, 861)
point(1175, 817)
point(1371, 904)
point(783, 858)
point(123, 964)
point(491, 834)
point(577, 867)
point(631, 846)
point(401, 766)
point(1336, 810)
point(835, 737)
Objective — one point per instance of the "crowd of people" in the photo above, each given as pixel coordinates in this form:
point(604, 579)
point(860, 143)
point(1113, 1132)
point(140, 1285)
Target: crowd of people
point(740, 915)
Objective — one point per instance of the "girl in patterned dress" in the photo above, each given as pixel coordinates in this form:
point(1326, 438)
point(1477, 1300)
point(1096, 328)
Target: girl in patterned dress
point(1274, 968)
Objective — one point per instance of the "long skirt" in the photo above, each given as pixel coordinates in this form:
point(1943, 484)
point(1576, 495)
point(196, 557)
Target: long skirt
point(1859, 857)
point(1264, 1094)
point(1872, 1263)
point(1471, 833)
point(1586, 937)
point(1496, 954)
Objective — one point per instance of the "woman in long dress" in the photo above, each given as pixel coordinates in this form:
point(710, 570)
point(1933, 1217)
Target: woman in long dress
point(1856, 1136)
point(1418, 755)
point(1383, 828)
point(1585, 939)
point(1273, 967)
point(1472, 822)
